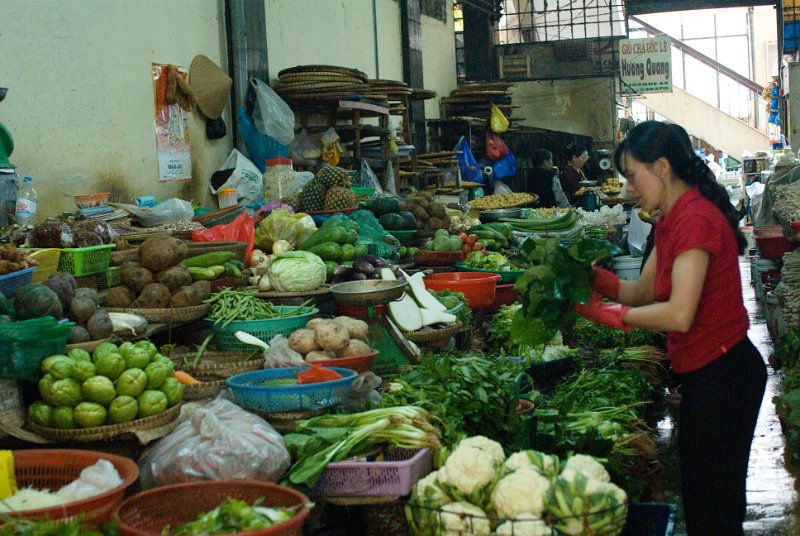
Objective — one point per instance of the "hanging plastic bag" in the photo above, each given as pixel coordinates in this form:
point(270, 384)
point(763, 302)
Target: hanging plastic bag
point(168, 211)
point(498, 121)
point(305, 149)
point(271, 115)
point(467, 165)
point(496, 148)
point(220, 441)
point(505, 167)
point(239, 230)
point(246, 179)
point(365, 178)
point(260, 146)
point(331, 148)
point(282, 225)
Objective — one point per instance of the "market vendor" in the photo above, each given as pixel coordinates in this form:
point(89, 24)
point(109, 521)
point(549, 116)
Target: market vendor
point(572, 173)
point(541, 177)
point(690, 288)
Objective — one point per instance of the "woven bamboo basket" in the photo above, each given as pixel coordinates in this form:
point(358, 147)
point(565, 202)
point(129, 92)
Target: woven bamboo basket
point(89, 346)
point(165, 316)
point(221, 364)
point(195, 249)
point(434, 337)
point(107, 432)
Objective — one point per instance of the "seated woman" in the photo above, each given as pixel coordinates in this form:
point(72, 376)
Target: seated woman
point(572, 173)
point(540, 178)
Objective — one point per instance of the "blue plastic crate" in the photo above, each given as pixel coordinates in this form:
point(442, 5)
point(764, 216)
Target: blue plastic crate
point(11, 283)
point(250, 394)
point(651, 519)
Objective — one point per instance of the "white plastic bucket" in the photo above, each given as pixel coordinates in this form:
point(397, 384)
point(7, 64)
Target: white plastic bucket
point(776, 324)
point(627, 267)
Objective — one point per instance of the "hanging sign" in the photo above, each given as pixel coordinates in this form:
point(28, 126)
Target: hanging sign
point(172, 131)
point(645, 65)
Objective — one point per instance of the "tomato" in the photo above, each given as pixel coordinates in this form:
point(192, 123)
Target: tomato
point(317, 375)
point(465, 249)
point(471, 239)
point(463, 238)
point(479, 247)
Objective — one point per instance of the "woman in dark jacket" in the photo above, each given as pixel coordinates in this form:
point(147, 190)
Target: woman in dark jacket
point(540, 178)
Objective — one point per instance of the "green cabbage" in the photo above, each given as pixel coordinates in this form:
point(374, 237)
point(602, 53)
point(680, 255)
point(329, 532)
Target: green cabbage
point(280, 225)
point(297, 271)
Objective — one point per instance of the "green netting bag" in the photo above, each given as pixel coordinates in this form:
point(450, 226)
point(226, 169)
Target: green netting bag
point(24, 344)
point(374, 236)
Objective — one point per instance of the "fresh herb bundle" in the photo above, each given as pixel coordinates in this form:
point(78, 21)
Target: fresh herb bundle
point(560, 277)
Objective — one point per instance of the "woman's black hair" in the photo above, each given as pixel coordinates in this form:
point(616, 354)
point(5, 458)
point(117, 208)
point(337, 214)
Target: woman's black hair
point(540, 156)
point(651, 140)
point(573, 149)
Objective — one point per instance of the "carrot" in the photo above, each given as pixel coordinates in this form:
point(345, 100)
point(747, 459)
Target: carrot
point(184, 378)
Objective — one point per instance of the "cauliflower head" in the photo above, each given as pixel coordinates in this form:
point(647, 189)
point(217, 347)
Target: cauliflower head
point(521, 492)
point(462, 518)
point(547, 464)
point(525, 525)
point(468, 474)
point(428, 490)
point(596, 487)
point(493, 449)
point(587, 466)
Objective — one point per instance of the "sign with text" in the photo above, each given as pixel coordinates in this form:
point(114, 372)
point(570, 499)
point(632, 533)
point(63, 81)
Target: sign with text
point(645, 65)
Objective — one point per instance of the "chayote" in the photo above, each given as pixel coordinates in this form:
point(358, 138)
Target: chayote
point(99, 389)
point(136, 358)
point(61, 368)
point(66, 392)
point(48, 362)
point(110, 365)
point(173, 389)
point(157, 372)
point(167, 362)
point(77, 354)
point(46, 388)
point(83, 370)
point(103, 349)
point(132, 382)
point(125, 347)
point(88, 414)
point(40, 412)
point(151, 403)
point(122, 409)
point(148, 347)
point(63, 417)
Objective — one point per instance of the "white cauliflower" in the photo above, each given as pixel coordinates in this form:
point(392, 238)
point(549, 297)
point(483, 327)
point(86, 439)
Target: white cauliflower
point(546, 464)
point(606, 488)
point(492, 448)
point(467, 472)
point(586, 465)
point(521, 492)
point(525, 525)
point(462, 518)
point(428, 489)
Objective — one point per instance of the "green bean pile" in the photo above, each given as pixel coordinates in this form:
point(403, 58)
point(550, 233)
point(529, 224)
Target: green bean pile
point(229, 305)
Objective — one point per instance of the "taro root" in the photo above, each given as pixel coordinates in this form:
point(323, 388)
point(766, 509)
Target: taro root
point(162, 251)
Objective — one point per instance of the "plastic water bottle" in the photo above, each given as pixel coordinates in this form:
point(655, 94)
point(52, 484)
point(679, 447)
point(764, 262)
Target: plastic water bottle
point(27, 200)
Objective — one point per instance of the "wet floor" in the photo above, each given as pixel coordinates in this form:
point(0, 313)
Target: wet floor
point(773, 500)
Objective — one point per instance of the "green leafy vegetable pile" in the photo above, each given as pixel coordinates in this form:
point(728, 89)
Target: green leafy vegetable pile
point(490, 261)
point(233, 516)
point(589, 335)
point(451, 300)
point(46, 527)
point(559, 278)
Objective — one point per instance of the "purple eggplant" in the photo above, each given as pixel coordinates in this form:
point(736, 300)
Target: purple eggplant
point(364, 267)
point(342, 274)
point(375, 261)
point(360, 276)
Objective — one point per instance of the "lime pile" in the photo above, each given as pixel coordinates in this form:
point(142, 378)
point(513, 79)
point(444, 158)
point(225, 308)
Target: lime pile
point(113, 385)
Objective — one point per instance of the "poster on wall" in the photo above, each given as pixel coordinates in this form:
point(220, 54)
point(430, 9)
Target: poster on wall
point(172, 130)
point(645, 65)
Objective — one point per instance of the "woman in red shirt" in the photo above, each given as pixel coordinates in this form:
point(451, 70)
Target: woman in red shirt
point(690, 287)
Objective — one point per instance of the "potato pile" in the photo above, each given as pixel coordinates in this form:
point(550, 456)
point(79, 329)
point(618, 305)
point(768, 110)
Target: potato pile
point(158, 280)
point(81, 306)
point(324, 339)
point(430, 215)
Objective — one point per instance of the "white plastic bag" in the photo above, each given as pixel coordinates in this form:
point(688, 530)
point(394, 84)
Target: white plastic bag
point(220, 441)
point(246, 179)
point(279, 354)
point(168, 211)
point(271, 115)
point(94, 480)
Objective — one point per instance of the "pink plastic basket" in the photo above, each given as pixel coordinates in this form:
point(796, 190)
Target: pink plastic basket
point(391, 478)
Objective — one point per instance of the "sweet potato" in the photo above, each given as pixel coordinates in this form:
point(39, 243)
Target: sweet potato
point(162, 251)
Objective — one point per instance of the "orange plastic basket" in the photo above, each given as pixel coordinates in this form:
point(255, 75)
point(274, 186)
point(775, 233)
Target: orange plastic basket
point(359, 363)
point(54, 468)
point(147, 513)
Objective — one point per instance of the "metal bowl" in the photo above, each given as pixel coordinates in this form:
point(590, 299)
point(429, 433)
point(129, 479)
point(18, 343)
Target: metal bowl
point(496, 214)
point(367, 292)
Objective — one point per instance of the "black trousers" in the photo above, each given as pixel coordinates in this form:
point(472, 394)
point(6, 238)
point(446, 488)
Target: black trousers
point(718, 413)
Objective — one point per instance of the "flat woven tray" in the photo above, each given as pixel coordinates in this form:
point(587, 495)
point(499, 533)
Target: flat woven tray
point(204, 389)
point(175, 314)
point(274, 294)
point(346, 71)
point(223, 364)
point(89, 346)
point(477, 206)
point(434, 336)
point(104, 433)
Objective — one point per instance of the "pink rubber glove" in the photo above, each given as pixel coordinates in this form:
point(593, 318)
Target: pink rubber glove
point(607, 314)
point(606, 283)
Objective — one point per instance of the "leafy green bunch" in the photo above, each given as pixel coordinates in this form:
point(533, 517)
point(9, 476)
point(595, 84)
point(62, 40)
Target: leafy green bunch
point(560, 276)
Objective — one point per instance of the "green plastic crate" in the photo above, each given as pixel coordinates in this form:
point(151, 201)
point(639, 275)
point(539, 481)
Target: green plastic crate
point(266, 329)
point(85, 261)
point(109, 278)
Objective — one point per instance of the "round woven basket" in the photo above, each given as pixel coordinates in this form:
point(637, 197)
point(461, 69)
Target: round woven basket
point(223, 364)
point(434, 337)
point(284, 421)
point(204, 389)
point(102, 433)
point(89, 346)
point(165, 316)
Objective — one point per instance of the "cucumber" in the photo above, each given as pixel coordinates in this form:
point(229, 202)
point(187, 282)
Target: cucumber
point(327, 251)
point(206, 260)
point(335, 234)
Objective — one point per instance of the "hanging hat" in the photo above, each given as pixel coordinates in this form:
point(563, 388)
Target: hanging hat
point(211, 86)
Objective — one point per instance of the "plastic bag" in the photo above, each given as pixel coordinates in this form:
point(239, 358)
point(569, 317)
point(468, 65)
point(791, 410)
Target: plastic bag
point(498, 121)
point(496, 148)
point(305, 150)
point(25, 343)
point(279, 354)
point(246, 179)
point(271, 115)
point(168, 211)
point(505, 167)
point(239, 230)
point(282, 225)
point(260, 146)
point(467, 165)
point(331, 149)
point(365, 178)
point(93, 481)
point(363, 392)
point(220, 441)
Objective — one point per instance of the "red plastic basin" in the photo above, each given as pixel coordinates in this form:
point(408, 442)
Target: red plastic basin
point(477, 287)
point(504, 294)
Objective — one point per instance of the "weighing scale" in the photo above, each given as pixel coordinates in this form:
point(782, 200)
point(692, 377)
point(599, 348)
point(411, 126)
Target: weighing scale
point(366, 300)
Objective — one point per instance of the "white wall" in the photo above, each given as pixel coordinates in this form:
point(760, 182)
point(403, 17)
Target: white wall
point(80, 99)
point(438, 60)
